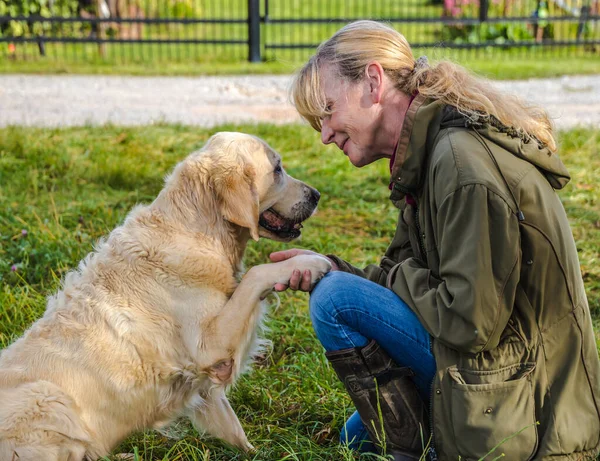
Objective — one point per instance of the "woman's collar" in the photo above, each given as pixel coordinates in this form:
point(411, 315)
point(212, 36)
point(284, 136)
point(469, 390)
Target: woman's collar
point(400, 151)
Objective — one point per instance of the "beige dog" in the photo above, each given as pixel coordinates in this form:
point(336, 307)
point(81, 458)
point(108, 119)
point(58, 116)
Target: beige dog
point(155, 323)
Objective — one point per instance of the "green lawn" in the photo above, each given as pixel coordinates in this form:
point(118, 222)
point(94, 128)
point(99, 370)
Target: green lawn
point(63, 189)
point(496, 64)
point(172, 60)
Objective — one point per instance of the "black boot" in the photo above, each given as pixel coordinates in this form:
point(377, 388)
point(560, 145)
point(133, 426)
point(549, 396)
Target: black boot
point(386, 399)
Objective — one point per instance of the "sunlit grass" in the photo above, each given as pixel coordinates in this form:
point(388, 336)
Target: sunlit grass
point(161, 60)
point(61, 189)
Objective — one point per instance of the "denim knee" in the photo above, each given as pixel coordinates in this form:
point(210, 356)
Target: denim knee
point(322, 298)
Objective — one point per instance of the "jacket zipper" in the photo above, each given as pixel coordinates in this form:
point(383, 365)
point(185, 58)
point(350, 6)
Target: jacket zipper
point(432, 455)
point(419, 233)
point(405, 191)
point(431, 452)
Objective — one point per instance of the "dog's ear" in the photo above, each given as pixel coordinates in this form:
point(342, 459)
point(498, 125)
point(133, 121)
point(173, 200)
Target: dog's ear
point(239, 198)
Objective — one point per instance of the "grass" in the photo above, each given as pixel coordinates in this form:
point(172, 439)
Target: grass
point(169, 61)
point(64, 188)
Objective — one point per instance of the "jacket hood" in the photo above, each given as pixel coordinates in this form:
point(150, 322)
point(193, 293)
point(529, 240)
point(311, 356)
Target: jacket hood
point(514, 142)
point(425, 118)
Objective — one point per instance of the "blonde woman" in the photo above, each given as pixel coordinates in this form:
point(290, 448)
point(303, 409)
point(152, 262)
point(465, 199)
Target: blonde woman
point(474, 330)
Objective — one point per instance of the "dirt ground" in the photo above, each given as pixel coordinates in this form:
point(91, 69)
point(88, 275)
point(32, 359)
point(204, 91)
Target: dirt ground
point(64, 100)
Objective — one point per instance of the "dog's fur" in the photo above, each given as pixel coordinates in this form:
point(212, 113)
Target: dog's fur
point(155, 323)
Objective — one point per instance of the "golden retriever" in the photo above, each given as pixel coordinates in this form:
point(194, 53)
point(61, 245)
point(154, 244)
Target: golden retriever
point(157, 321)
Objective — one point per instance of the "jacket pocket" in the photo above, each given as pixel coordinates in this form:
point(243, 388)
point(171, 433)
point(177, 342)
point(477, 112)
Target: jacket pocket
point(494, 407)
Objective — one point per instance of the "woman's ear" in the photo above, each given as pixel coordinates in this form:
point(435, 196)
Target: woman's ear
point(375, 79)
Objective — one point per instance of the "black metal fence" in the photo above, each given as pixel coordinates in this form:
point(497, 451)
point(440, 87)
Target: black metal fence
point(258, 30)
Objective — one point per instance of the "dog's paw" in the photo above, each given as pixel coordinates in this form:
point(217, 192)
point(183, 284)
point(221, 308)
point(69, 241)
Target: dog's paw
point(317, 265)
point(249, 448)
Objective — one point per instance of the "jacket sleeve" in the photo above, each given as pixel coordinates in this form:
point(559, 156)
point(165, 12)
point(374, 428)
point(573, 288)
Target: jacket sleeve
point(468, 304)
point(399, 250)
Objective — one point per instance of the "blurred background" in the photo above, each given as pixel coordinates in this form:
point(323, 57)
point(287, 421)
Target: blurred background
point(216, 36)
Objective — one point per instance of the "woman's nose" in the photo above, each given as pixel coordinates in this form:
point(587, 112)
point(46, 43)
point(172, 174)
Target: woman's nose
point(326, 132)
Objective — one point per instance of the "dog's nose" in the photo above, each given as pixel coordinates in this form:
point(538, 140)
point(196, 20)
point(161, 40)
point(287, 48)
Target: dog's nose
point(315, 195)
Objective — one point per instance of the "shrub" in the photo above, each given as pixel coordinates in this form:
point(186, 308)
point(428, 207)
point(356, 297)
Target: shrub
point(44, 8)
point(488, 32)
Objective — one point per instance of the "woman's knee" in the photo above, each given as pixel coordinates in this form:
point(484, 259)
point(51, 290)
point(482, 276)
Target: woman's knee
point(322, 305)
point(322, 297)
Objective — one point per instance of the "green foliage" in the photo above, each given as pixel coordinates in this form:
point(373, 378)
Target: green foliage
point(183, 9)
point(68, 187)
point(496, 32)
point(44, 8)
point(486, 32)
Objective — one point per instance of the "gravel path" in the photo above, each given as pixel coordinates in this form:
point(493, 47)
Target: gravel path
point(207, 101)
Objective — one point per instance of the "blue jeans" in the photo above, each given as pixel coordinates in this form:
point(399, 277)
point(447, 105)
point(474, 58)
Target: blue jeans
point(348, 311)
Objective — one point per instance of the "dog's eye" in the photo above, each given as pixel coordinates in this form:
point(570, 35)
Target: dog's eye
point(278, 169)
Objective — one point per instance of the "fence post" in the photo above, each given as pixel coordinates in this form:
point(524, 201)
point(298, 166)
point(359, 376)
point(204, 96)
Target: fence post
point(585, 11)
point(41, 45)
point(101, 30)
point(254, 31)
point(483, 10)
point(33, 19)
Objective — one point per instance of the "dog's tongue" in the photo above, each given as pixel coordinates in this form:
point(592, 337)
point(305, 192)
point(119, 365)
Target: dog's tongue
point(273, 219)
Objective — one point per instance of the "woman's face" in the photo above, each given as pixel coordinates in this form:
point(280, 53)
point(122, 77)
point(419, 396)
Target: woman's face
point(355, 118)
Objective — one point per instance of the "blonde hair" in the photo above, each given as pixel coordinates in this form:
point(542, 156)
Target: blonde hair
point(353, 47)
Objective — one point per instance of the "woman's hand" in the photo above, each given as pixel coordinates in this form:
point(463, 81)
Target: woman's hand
point(298, 281)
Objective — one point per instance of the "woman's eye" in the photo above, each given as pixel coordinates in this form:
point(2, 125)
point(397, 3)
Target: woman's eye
point(327, 114)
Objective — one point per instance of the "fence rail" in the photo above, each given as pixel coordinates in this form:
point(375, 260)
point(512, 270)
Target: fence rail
point(258, 30)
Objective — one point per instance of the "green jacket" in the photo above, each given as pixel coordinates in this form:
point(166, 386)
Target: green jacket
point(486, 259)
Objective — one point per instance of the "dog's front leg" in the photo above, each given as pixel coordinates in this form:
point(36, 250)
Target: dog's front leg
point(236, 320)
point(218, 419)
point(227, 334)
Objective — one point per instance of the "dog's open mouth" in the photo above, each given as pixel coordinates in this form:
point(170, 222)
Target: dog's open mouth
point(278, 225)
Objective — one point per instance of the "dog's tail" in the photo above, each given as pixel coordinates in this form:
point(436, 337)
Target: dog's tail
point(40, 421)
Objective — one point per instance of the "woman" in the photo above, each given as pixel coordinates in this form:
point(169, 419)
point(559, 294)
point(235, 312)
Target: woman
point(475, 325)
